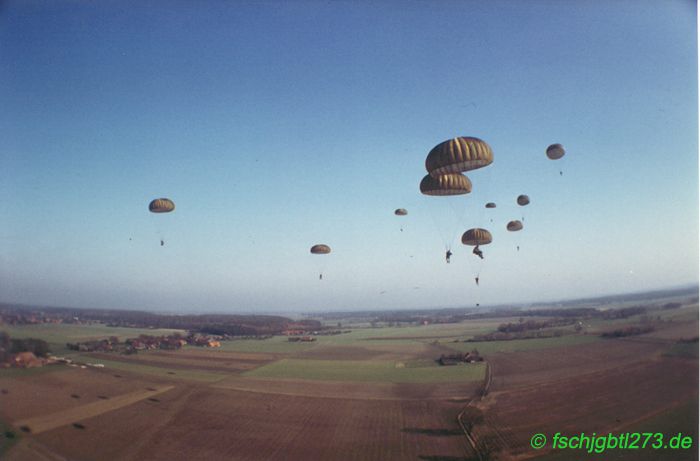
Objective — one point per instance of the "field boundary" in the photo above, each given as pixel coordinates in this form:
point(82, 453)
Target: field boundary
point(39, 424)
point(484, 393)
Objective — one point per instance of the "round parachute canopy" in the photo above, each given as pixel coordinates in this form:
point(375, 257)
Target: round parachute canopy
point(400, 212)
point(447, 184)
point(555, 151)
point(490, 205)
point(320, 249)
point(161, 205)
point(476, 236)
point(514, 226)
point(457, 155)
point(523, 200)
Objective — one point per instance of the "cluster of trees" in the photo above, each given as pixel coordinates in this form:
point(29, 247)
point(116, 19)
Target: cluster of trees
point(628, 331)
point(672, 305)
point(220, 324)
point(501, 336)
point(9, 346)
point(533, 325)
point(623, 313)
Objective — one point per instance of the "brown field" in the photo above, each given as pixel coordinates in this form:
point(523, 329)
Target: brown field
point(602, 387)
point(46, 422)
point(352, 390)
point(200, 359)
point(34, 396)
point(213, 423)
point(235, 417)
point(389, 351)
point(150, 412)
point(527, 368)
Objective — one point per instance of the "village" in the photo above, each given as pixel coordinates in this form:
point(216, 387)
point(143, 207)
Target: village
point(32, 353)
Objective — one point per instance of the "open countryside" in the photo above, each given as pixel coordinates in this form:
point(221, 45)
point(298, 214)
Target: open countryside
point(365, 230)
point(365, 391)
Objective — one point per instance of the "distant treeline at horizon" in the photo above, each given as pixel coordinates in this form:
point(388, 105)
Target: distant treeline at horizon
point(231, 324)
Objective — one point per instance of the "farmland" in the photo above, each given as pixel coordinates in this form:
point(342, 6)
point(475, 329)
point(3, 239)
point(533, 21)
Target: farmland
point(369, 393)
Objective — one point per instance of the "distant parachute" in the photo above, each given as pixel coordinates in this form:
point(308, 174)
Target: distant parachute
point(555, 151)
point(523, 200)
point(490, 205)
point(161, 205)
point(514, 226)
point(400, 212)
point(476, 236)
point(447, 184)
point(320, 249)
point(458, 154)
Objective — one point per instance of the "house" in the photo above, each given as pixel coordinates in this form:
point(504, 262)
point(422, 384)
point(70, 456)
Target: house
point(27, 360)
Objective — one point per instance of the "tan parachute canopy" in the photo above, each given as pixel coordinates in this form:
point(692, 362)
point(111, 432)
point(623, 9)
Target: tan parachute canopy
point(400, 212)
point(555, 151)
point(457, 155)
point(161, 205)
point(447, 184)
point(476, 236)
point(490, 205)
point(320, 249)
point(514, 226)
point(523, 200)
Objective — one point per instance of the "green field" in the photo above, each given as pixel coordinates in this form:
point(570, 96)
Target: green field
point(363, 337)
point(274, 345)
point(489, 347)
point(372, 371)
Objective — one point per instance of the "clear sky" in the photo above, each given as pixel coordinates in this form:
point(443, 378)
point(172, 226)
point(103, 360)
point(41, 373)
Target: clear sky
point(274, 126)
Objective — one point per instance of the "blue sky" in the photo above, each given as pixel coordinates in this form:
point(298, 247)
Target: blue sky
point(277, 125)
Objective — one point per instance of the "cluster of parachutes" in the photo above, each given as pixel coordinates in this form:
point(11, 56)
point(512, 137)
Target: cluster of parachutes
point(446, 164)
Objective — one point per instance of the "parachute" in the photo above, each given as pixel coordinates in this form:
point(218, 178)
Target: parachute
point(555, 151)
point(514, 226)
point(523, 200)
point(447, 184)
point(490, 205)
point(458, 154)
point(400, 212)
point(476, 236)
point(320, 249)
point(161, 205)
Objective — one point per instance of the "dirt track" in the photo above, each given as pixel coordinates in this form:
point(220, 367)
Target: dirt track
point(44, 423)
